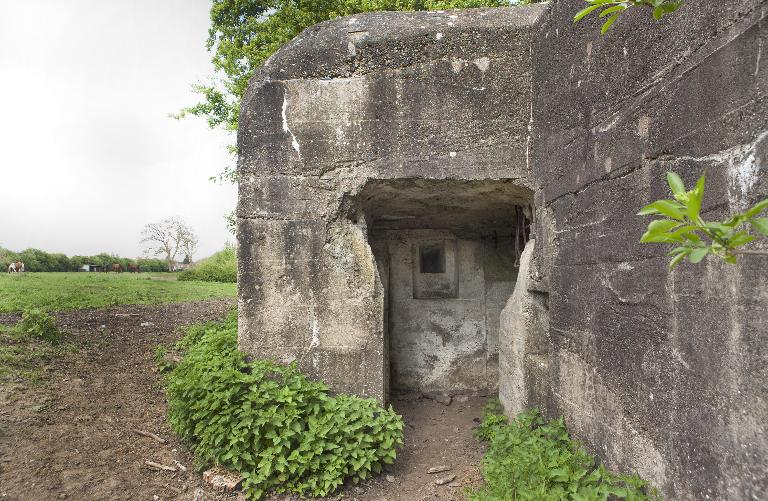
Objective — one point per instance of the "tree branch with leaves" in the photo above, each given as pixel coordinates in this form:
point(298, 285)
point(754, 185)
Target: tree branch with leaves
point(695, 238)
point(612, 9)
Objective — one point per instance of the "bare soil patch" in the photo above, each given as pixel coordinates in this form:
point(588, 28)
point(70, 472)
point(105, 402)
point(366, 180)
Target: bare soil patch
point(74, 436)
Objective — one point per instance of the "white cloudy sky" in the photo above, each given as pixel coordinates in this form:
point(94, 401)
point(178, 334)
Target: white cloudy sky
point(88, 154)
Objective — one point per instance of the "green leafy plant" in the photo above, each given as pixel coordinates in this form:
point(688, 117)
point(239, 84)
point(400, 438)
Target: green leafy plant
point(220, 267)
point(612, 9)
point(493, 420)
point(694, 238)
point(39, 325)
point(530, 458)
point(282, 431)
point(162, 361)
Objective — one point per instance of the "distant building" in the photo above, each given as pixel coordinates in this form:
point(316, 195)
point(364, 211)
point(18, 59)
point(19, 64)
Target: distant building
point(91, 267)
point(180, 266)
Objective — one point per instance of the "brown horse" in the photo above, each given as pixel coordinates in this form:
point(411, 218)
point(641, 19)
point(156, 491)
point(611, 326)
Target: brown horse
point(16, 267)
point(133, 267)
point(117, 268)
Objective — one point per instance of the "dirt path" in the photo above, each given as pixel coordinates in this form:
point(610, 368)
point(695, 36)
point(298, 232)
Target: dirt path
point(73, 437)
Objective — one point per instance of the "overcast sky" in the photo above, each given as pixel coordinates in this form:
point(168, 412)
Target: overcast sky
point(88, 153)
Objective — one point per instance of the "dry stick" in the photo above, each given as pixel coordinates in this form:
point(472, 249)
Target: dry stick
point(174, 489)
point(751, 252)
point(159, 466)
point(150, 435)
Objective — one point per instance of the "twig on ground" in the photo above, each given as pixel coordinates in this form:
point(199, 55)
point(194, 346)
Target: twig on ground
point(150, 435)
point(159, 466)
point(174, 489)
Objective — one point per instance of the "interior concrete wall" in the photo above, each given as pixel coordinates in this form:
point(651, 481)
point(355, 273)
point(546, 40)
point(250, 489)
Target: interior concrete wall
point(445, 344)
point(656, 371)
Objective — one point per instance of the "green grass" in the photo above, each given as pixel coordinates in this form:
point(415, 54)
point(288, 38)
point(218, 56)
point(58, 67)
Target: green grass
point(72, 291)
point(26, 359)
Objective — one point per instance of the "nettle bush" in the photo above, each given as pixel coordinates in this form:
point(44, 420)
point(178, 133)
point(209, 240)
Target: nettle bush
point(282, 431)
point(220, 267)
point(37, 324)
point(532, 459)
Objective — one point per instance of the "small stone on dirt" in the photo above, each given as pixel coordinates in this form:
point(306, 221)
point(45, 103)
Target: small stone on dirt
point(147, 324)
point(445, 480)
point(222, 480)
point(438, 469)
point(462, 398)
point(390, 478)
point(441, 398)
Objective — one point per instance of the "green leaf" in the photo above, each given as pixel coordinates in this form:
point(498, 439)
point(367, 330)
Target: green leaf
point(740, 238)
point(585, 12)
point(760, 224)
point(675, 183)
point(679, 257)
point(669, 208)
point(662, 225)
point(607, 25)
point(757, 209)
point(695, 198)
point(698, 254)
point(683, 230)
point(611, 10)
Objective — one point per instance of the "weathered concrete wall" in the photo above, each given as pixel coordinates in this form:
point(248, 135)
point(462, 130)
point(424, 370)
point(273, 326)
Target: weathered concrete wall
point(524, 344)
point(662, 372)
point(439, 96)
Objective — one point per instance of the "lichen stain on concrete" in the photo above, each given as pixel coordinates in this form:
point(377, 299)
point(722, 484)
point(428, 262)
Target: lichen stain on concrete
point(286, 129)
point(482, 63)
point(745, 164)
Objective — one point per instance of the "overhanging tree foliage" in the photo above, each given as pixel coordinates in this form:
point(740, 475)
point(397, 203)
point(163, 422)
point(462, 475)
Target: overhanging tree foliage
point(681, 224)
point(612, 9)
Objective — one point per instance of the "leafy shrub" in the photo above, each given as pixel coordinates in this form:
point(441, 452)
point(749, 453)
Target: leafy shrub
point(38, 324)
point(493, 420)
point(531, 459)
point(162, 361)
point(279, 429)
point(220, 267)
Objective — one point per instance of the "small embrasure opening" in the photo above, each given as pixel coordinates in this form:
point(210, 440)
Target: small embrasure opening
point(432, 258)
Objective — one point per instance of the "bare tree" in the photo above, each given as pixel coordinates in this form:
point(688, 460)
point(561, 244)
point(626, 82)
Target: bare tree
point(167, 238)
point(188, 244)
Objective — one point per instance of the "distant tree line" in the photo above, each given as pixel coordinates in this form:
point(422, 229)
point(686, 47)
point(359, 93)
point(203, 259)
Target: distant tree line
point(38, 260)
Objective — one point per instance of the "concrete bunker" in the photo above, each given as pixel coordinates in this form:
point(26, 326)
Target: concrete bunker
point(359, 138)
point(447, 253)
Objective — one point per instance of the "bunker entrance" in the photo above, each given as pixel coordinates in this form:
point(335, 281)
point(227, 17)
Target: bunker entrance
point(448, 256)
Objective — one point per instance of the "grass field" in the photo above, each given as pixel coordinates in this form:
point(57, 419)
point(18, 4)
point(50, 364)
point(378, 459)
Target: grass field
point(71, 291)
